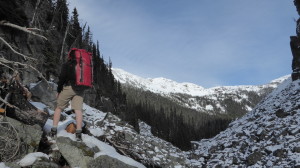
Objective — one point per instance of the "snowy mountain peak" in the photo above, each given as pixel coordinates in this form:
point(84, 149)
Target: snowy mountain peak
point(157, 85)
point(167, 86)
point(211, 100)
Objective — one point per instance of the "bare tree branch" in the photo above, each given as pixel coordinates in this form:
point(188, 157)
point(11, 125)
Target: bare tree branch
point(3, 60)
point(62, 47)
point(8, 104)
point(6, 66)
point(35, 29)
point(11, 143)
point(119, 148)
point(5, 23)
point(5, 99)
point(16, 52)
point(36, 6)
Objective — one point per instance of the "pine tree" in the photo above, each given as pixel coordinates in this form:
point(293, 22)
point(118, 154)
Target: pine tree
point(75, 37)
point(63, 16)
point(87, 40)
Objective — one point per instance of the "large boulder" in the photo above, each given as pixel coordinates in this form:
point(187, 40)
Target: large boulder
point(45, 92)
point(21, 139)
point(105, 161)
point(77, 154)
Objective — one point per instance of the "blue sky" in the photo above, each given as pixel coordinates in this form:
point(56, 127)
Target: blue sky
point(206, 42)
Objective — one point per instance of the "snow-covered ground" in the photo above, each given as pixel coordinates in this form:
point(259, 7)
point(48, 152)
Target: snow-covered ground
point(152, 149)
point(92, 116)
point(268, 136)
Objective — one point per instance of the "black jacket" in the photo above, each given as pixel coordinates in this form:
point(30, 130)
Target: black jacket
point(67, 76)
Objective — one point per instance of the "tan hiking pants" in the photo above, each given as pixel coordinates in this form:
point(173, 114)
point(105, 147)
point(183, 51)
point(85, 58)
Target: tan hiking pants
point(67, 95)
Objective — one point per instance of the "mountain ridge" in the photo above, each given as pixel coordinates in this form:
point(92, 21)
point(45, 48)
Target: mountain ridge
point(209, 100)
point(125, 77)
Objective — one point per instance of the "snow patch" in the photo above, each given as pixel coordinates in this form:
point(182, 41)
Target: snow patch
point(30, 158)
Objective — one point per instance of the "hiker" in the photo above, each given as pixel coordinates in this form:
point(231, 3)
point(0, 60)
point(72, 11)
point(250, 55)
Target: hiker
point(69, 89)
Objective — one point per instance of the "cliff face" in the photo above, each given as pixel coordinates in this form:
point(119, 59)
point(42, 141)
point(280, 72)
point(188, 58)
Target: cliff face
point(44, 53)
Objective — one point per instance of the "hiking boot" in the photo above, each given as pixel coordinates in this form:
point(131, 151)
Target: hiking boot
point(52, 135)
point(78, 136)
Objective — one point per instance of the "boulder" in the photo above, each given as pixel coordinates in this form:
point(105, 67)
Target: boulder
point(77, 154)
point(11, 165)
point(281, 114)
point(22, 138)
point(296, 149)
point(45, 92)
point(45, 164)
point(281, 153)
point(105, 161)
point(254, 158)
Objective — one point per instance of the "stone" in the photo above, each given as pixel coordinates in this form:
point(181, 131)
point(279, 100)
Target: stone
point(254, 158)
point(45, 92)
point(213, 149)
point(280, 153)
point(296, 149)
point(12, 165)
point(29, 136)
point(77, 154)
point(128, 137)
point(235, 160)
point(105, 161)
point(281, 114)
point(45, 164)
point(244, 146)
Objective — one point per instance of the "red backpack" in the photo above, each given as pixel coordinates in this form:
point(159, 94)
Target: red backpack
point(83, 68)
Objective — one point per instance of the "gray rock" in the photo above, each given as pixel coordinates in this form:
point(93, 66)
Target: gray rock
point(281, 114)
point(29, 136)
point(77, 154)
point(262, 135)
point(213, 149)
point(235, 160)
point(105, 161)
point(128, 137)
point(45, 164)
point(45, 92)
point(296, 149)
point(254, 158)
point(12, 165)
point(280, 153)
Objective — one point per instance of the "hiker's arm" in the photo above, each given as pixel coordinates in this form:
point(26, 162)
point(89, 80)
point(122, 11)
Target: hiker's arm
point(62, 78)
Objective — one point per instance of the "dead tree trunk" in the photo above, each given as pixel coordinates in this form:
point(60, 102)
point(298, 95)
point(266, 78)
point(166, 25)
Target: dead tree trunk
point(22, 109)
